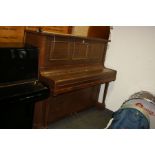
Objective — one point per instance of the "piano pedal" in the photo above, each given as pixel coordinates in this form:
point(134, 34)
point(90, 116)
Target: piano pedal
point(75, 115)
point(36, 82)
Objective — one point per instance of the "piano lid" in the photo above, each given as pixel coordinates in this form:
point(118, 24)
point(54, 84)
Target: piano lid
point(68, 80)
point(23, 93)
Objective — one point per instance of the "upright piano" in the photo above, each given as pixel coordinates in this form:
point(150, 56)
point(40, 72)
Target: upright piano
point(20, 88)
point(73, 68)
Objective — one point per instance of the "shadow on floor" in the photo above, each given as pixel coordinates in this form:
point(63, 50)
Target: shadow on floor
point(89, 119)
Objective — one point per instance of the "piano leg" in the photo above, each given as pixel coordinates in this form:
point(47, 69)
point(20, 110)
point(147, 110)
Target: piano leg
point(46, 114)
point(105, 92)
point(102, 105)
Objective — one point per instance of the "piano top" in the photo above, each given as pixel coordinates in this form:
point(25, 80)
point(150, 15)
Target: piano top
point(19, 63)
point(47, 33)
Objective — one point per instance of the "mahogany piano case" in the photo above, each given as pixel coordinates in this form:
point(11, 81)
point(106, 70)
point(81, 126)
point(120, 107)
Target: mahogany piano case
point(73, 68)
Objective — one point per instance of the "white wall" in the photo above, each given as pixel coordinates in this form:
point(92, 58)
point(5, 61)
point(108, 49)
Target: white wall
point(132, 53)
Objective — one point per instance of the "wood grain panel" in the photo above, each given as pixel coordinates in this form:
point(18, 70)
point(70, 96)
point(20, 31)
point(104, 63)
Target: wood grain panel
point(57, 29)
point(59, 49)
point(96, 50)
point(68, 103)
point(99, 32)
point(80, 50)
point(33, 28)
point(12, 33)
point(63, 50)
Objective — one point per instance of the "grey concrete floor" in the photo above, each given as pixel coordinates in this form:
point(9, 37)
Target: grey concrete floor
point(88, 119)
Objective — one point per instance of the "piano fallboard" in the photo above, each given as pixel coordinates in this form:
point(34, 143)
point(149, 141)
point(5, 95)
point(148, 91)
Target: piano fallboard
point(23, 93)
point(67, 80)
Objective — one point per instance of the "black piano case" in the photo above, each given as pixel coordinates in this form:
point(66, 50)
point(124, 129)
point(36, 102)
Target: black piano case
point(18, 64)
point(20, 88)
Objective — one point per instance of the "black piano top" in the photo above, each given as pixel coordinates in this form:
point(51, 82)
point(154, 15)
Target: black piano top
point(18, 63)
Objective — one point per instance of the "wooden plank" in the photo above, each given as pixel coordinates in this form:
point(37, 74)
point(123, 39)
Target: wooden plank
point(54, 29)
point(12, 33)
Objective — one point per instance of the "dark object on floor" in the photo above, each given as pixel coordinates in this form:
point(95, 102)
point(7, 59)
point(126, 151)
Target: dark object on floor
point(88, 119)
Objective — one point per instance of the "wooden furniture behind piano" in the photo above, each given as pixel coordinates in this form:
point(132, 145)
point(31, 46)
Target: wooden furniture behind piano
point(16, 33)
point(73, 68)
point(12, 33)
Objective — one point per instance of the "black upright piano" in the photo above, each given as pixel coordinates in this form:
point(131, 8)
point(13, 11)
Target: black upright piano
point(20, 87)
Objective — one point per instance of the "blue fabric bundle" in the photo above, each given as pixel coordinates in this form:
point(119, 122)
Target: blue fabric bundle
point(129, 118)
